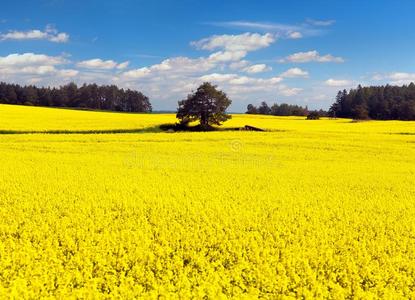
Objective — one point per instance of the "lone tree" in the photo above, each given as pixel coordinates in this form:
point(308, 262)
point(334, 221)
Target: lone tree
point(207, 105)
point(314, 115)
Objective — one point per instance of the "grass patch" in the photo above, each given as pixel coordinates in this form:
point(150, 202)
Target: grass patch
point(183, 128)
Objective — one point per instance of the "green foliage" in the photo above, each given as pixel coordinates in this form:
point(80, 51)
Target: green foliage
point(376, 102)
point(264, 109)
point(207, 105)
point(314, 115)
point(251, 109)
point(283, 109)
point(107, 97)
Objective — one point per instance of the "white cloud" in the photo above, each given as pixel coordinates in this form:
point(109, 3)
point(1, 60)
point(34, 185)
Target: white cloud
point(401, 76)
point(137, 73)
point(235, 79)
point(338, 82)
point(225, 56)
point(184, 65)
point(245, 88)
point(98, 63)
point(311, 56)
point(396, 78)
point(295, 35)
point(216, 77)
point(28, 70)
point(294, 73)
point(25, 59)
point(289, 31)
point(49, 34)
point(176, 66)
point(238, 65)
point(59, 38)
point(242, 42)
point(259, 68)
point(35, 68)
point(289, 92)
point(123, 65)
point(378, 77)
point(68, 73)
point(39, 70)
point(267, 26)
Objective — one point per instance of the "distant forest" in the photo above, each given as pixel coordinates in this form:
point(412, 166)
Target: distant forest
point(89, 96)
point(376, 102)
point(283, 109)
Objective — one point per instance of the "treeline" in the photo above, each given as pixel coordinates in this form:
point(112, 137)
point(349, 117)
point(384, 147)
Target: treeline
point(90, 96)
point(283, 109)
point(376, 102)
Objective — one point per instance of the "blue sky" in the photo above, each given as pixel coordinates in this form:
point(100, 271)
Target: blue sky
point(299, 52)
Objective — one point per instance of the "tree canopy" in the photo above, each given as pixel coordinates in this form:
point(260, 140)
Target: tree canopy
point(376, 102)
point(207, 105)
point(106, 97)
point(282, 109)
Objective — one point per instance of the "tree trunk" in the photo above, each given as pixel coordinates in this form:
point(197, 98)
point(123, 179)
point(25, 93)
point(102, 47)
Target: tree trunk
point(204, 121)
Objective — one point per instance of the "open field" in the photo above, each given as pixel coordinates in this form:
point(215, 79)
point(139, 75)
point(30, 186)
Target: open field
point(314, 209)
point(42, 119)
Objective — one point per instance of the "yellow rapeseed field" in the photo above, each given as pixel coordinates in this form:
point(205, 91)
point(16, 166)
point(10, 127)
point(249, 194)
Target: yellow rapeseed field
point(36, 119)
point(309, 209)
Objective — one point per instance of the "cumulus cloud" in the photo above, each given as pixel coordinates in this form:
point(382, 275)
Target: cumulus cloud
point(238, 65)
point(258, 68)
point(243, 42)
point(56, 70)
point(245, 87)
point(401, 78)
point(98, 63)
point(174, 66)
point(311, 56)
point(294, 73)
point(27, 59)
point(192, 66)
point(35, 68)
point(123, 65)
point(216, 77)
point(226, 56)
point(137, 73)
point(338, 82)
point(228, 50)
point(49, 34)
point(289, 92)
point(396, 78)
point(68, 73)
point(29, 70)
point(235, 79)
